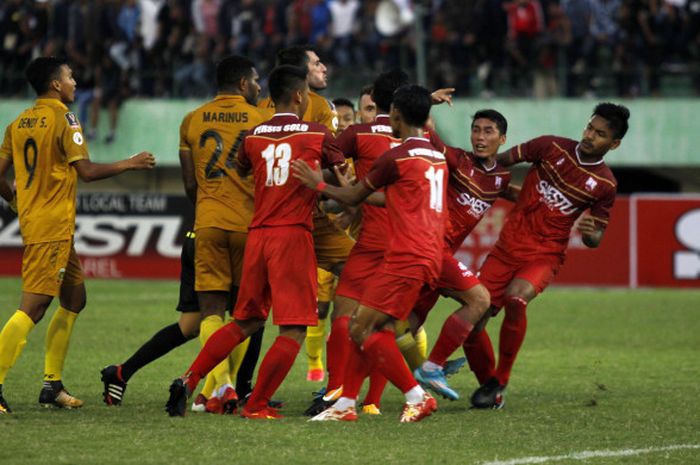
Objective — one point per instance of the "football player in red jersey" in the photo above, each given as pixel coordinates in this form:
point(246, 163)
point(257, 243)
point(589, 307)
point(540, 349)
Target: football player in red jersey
point(567, 178)
point(476, 181)
point(279, 265)
point(413, 175)
point(364, 143)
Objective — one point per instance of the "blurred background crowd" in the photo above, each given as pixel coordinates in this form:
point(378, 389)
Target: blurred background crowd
point(541, 48)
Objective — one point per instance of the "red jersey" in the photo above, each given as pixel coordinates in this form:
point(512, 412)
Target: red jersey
point(557, 189)
point(269, 149)
point(471, 191)
point(414, 175)
point(365, 143)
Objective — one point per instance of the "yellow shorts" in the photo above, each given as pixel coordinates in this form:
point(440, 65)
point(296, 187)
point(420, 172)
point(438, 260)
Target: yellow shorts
point(218, 259)
point(332, 245)
point(47, 266)
point(326, 285)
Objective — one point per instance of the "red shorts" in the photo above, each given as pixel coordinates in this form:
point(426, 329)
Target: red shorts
point(454, 275)
point(279, 270)
point(362, 264)
point(391, 294)
point(498, 271)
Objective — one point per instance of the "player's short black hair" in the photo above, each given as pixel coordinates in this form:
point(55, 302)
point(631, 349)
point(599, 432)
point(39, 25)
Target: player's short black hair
point(495, 116)
point(384, 87)
point(231, 69)
point(616, 116)
point(295, 56)
point(284, 80)
point(343, 102)
point(41, 71)
point(413, 102)
point(366, 90)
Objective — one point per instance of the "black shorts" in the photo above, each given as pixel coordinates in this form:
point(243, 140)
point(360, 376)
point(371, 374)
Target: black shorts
point(188, 302)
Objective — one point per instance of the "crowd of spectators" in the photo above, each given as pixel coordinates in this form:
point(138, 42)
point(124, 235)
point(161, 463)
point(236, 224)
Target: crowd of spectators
point(167, 48)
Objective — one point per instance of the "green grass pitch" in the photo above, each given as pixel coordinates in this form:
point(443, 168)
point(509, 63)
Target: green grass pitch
point(600, 370)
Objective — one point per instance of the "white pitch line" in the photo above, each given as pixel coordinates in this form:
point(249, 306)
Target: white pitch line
point(588, 454)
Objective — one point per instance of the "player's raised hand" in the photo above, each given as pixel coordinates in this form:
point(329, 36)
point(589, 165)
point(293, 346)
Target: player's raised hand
point(142, 161)
point(443, 95)
point(586, 225)
point(308, 176)
point(346, 178)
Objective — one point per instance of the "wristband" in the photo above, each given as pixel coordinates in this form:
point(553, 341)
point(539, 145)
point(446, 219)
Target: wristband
point(321, 186)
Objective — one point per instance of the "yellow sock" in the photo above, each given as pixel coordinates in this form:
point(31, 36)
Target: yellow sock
point(409, 349)
point(13, 338)
point(207, 327)
point(235, 359)
point(421, 338)
point(314, 345)
point(57, 339)
point(209, 386)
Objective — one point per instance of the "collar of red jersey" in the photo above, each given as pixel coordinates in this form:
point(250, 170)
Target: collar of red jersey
point(285, 114)
point(382, 116)
point(578, 157)
point(416, 138)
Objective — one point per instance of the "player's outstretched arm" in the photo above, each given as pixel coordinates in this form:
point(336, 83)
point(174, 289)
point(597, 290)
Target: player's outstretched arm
point(89, 171)
point(442, 96)
point(189, 180)
point(511, 193)
point(591, 233)
point(347, 179)
point(506, 158)
point(5, 189)
point(313, 179)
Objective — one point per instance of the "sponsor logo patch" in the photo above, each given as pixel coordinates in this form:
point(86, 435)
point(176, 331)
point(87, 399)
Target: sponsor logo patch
point(590, 184)
point(72, 120)
point(78, 138)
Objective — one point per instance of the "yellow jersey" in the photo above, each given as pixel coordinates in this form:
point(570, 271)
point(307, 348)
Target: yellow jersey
point(212, 134)
point(42, 143)
point(319, 111)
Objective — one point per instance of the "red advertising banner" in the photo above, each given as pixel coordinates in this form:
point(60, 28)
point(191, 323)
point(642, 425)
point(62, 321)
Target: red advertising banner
point(652, 240)
point(665, 240)
point(116, 235)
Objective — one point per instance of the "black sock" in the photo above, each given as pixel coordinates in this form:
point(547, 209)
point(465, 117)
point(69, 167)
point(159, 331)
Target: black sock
point(160, 344)
point(244, 380)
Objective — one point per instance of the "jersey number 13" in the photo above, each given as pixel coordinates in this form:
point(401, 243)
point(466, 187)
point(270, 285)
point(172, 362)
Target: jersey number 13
point(277, 159)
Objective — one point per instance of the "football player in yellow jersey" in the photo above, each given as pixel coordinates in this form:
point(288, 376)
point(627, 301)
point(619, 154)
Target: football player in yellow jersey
point(47, 149)
point(320, 110)
point(209, 139)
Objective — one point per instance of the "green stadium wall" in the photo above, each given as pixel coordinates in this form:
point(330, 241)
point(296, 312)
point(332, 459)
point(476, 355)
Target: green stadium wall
point(663, 132)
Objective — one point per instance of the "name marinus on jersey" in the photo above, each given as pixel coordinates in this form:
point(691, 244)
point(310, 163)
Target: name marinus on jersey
point(554, 199)
point(294, 127)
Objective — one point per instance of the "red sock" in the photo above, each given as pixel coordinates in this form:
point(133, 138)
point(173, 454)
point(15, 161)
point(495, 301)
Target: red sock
point(381, 348)
point(217, 348)
point(377, 383)
point(479, 352)
point(273, 369)
point(512, 336)
point(337, 351)
point(453, 334)
point(357, 368)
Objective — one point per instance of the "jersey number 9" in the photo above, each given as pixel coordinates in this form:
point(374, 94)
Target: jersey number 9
point(30, 165)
